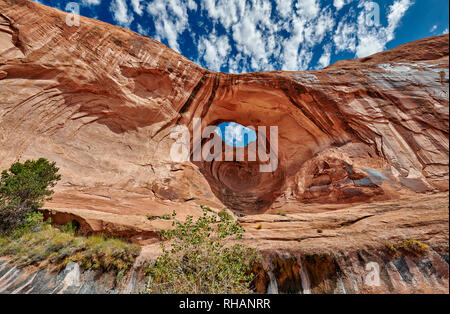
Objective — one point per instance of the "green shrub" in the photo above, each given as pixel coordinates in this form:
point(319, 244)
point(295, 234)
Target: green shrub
point(71, 227)
point(281, 213)
point(23, 189)
point(207, 208)
point(169, 216)
point(199, 258)
point(225, 214)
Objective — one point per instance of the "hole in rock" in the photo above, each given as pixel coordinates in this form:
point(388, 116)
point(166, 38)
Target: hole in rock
point(237, 179)
point(235, 134)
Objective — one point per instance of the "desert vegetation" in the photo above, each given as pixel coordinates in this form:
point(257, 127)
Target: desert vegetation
point(27, 239)
point(24, 188)
point(37, 241)
point(201, 256)
point(409, 246)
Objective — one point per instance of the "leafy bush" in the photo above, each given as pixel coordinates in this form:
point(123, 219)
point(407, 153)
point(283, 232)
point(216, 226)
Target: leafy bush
point(225, 214)
point(168, 216)
point(23, 189)
point(200, 258)
point(71, 227)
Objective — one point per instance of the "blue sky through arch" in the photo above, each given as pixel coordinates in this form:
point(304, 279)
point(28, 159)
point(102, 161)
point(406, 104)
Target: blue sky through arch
point(235, 134)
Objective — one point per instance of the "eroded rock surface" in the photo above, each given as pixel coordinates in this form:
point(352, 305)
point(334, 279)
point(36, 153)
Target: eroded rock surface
point(101, 101)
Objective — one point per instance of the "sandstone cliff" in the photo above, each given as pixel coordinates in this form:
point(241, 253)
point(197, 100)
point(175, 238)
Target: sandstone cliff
point(101, 101)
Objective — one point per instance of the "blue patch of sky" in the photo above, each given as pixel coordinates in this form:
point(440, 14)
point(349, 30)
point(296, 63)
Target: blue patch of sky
point(235, 134)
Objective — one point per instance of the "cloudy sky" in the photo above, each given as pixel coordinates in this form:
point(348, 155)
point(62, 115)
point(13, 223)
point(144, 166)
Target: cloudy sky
point(257, 35)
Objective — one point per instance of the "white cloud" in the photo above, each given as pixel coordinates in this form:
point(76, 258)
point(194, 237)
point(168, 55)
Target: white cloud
point(191, 5)
point(307, 29)
point(120, 13)
point(344, 37)
point(253, 35)
point(396, 11)
point(373, 38)
point(308, 8)
point(339, 4)
point(368, 45)
point(284, 7)
point(141, 30)
point(90, 2)
point(170, 18)
point(225, 12)
point(324, 59)
point(433, 28)
point(237, 64)
point(324, 24)
point(214, 50)
point(137, 7)
point(234, 132)
point(445, 31)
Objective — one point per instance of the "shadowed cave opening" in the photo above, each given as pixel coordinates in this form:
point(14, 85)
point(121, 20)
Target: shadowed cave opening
point(239, 183)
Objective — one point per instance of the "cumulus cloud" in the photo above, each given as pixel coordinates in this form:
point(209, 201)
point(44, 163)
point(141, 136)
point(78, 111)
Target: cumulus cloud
point(308, 9)
point(252, 31)
point(324, 59)
point(90, 2)
point(214, 50)
point(254, 35)
point(373, 38)
point(120, 13)
point(170, 18)
point(141, 30)
point(225, 12)
point(235, 134)
point(284, 7)
point(192, 5)
point(307, 29)
point(345, 37)
point(339, 4)
point(137, 7)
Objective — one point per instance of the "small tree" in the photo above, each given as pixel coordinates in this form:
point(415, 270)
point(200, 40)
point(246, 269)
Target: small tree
point(202, 259)
point(23, 189)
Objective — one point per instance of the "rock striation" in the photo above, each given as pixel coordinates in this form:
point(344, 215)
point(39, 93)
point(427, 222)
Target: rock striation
point(102, 101)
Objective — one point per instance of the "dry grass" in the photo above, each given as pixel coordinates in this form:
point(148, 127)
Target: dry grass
point(414, 247)
point(47, 243)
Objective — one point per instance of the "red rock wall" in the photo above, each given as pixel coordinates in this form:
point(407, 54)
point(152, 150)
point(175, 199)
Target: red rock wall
point(101, 100)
